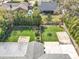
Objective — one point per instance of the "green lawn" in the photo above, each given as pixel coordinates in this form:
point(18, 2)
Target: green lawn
point(0, 30)
point(49, 33)
point(16, 33)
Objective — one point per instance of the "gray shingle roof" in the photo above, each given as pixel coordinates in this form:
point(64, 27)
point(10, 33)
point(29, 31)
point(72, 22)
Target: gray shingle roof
point(12, 49)
point(48, 6)
point(55, 56)
point(33, 51)
point(15, 6)
point(5, 0)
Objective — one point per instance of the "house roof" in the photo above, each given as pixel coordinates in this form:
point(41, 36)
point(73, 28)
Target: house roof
point(5, 0)
point(32, 50)
point(14, 6)
point(35, 50)
point(55, 56)
point(45, 0)
point(48, 6)
point(11, 49)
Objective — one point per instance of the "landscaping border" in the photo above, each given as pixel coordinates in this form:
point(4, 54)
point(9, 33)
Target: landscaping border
point(72, 40)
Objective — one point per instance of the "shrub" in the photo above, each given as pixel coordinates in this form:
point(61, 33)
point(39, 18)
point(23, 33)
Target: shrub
point(37, 33)
point(38, 39)
point(49, 34)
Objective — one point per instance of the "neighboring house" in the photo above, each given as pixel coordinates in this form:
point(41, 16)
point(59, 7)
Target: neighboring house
point(4, 1)
point(48, 6)
point(31, 3)
point(15, 6)
point(30, 50)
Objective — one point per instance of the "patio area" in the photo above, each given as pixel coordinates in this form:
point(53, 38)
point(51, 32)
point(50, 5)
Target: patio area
point(64, 46)
point(63, 38)
point(56, 48)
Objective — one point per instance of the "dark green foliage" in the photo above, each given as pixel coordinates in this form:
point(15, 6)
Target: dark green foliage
point(49, 34)
point(25, 0)
point(38, 39)
point(37, 33)
point(36, 3)
point(72, 23)
point(23, 20)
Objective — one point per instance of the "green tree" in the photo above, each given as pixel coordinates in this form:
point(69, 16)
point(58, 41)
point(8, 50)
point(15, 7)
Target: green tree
point(49, 18)
point(36, 11)
point(36, 16)
point(25, 0)
point(36, 3)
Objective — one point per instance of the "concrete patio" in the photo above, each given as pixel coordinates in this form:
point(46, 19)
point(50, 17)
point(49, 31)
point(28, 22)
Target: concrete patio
point(63, 38)
point(56, 48)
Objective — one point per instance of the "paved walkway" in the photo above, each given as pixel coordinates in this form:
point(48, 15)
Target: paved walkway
point(23, 39)
point(63, 38)
point(56, 48)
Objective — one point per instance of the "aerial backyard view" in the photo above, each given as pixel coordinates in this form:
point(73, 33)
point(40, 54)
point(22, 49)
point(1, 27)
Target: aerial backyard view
point(39, 29)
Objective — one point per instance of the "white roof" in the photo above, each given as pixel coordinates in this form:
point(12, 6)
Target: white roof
point(55, 48)
point(69, 49)
point(15, 6)
point(52, 48)
point(63, 37)
point(12, 49)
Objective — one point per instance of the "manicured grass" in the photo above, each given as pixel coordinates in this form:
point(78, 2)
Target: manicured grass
point(49, 33)
point(16, 33)
point(0, 30)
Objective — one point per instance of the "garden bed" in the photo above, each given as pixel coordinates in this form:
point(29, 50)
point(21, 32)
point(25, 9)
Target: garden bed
point(49, 33)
